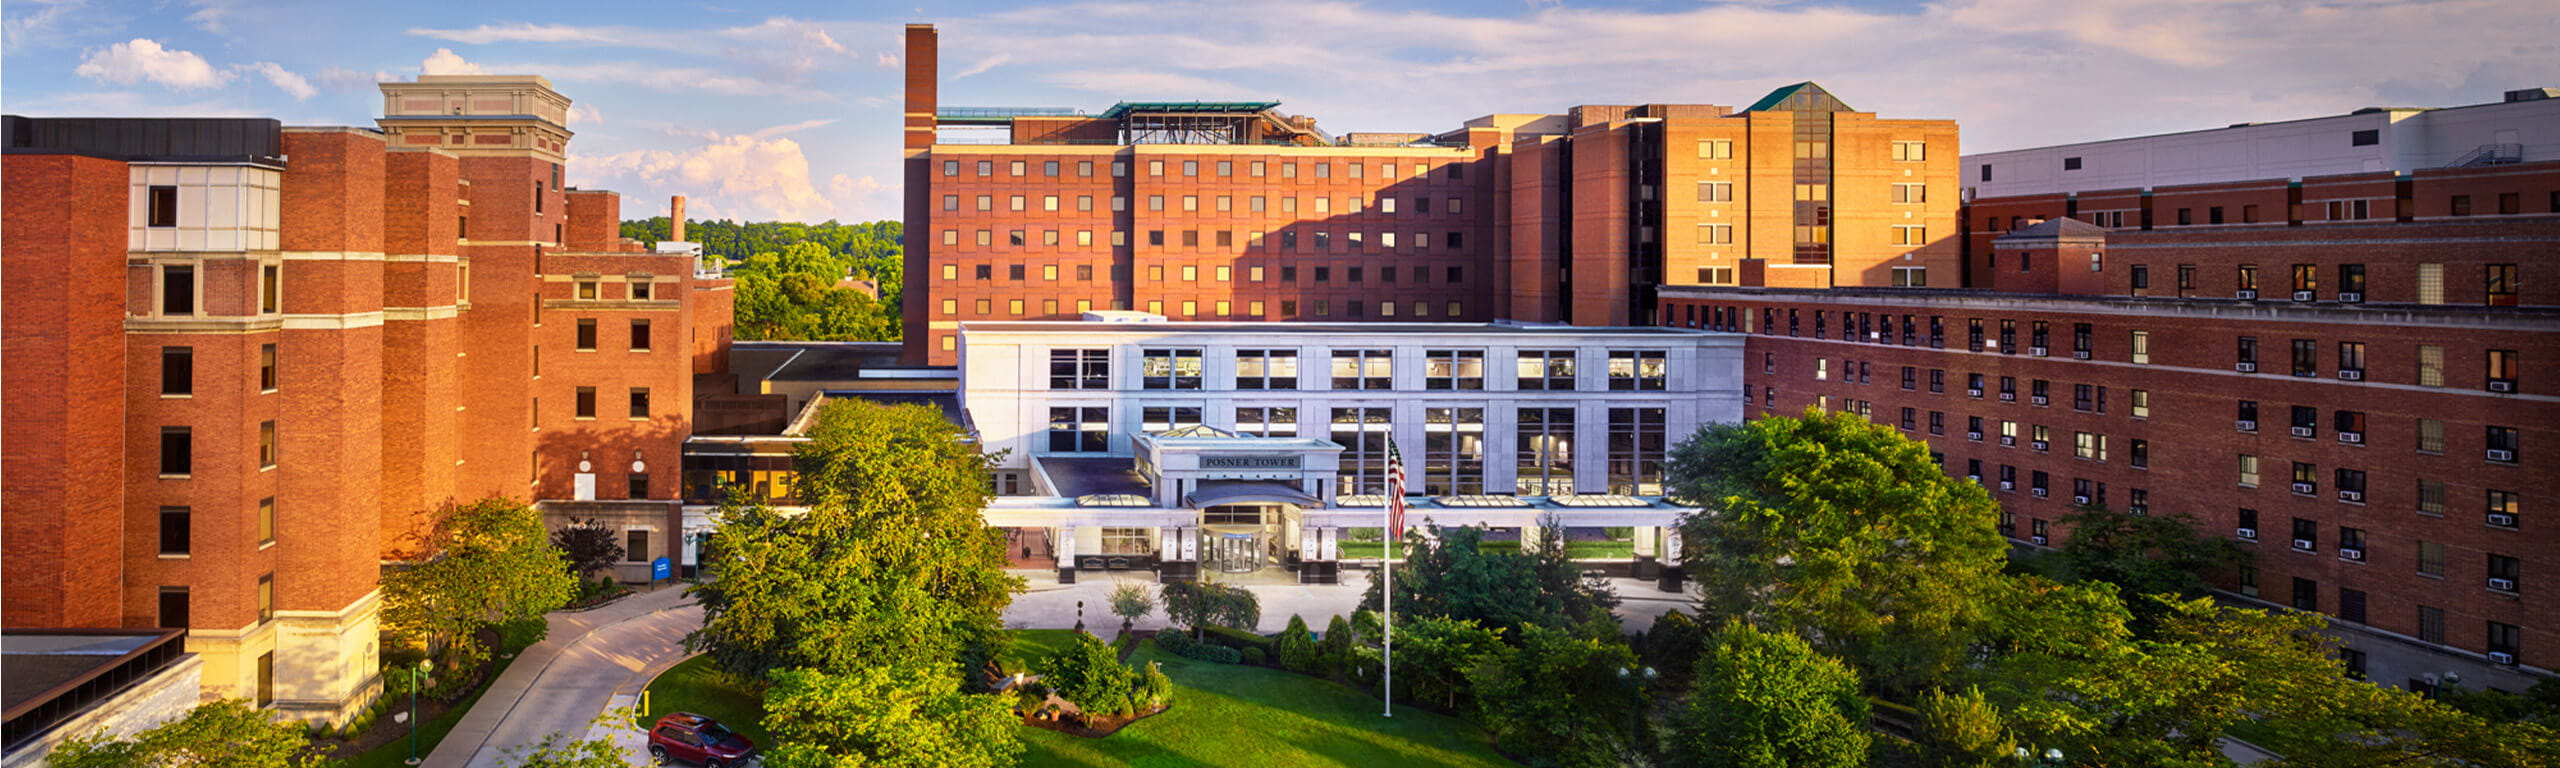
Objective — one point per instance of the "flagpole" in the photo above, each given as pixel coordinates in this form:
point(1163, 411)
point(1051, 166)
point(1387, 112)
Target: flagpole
point(1395, 538)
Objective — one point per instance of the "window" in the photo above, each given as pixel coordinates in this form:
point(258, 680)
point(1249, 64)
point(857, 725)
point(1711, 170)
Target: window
point(1170, 369)
point(1267, 421)
point(266, 612)
point(2306, 421)
point(2351, 360)
point(2306, 594)
point(2350, 426)
point(1637, 370)
point(163, 205)
point(639, 335)
point(1937, 381)
point(270, 284)
point(2141, 403)
point(2431, 624)
point(2350, 485)
point(1362, 433)
point(1452, 450)
point(1161, 418)
point(586, 334)
point(2306, 357)
point(2141, 347)
point(177, 371)
point(2503, 364)
point(2502, 508)
point(176, 536)
point(266, 445)
point(639, 402)
point(2431, 497)
point(177, 451)
point(2503, 573)
point(586, 402)
point(2089, 445)
point(1722, 191)
point(1722, 149)
point(1266, 369)
point(1973, 334)
point(1902, 193)
point(1903, 277)
point(1453, 369)
point(2306, 535)
point(1079, 429)
point(1363, 368)
point(2248, 471)
point(2504, 444)
point(1636, 440)
point(2431, 283)
point(2245, 356)
point(1715, 234)
point(2247, 418)
point(267, 520)
point(2504, 640)
point(177, 290)
point(2365, 138)
point(1546, 369)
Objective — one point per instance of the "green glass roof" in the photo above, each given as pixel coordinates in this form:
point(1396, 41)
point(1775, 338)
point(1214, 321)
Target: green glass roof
point(1801, 97)
point(1123, 109)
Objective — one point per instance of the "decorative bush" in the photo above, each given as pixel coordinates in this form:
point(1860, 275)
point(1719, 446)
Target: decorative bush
point(1335, 658)
point(1236, 638)
point(1296, 647)
point(1088, 674)
point(1182, 645)
point(1155, 690)
point(1255, 657)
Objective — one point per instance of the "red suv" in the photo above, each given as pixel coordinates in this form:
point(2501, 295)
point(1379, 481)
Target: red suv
point(696, 739)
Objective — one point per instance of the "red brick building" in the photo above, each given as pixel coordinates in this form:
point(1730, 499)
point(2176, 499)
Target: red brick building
point(245, 361)
point(1237, 211)
point(2337, 372)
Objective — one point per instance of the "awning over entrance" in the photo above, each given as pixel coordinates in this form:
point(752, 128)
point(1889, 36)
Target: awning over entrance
point(1215, 492)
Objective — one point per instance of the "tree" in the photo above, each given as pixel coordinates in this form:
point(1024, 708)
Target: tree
point(1197, 604)
point(1132, 601)
point(1556, 697)
point(1450, 576)
point(1673, 645)
point(1434, 655)
point(1842, 531)
point(1769, 700)
point(589, 546)
point(1296, 647)
point(890, 564)
point(557, 750)
point(1088, 674)
point(1960, 729)
point(483, 563)
point(2146, 555)
point(899, 715)
point(227, 733)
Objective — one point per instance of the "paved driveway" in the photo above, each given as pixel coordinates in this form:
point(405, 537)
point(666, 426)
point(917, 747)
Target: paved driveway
point(591, 660)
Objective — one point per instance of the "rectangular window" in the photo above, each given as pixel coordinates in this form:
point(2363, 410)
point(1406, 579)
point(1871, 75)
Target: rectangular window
point(1079, 430)
point(267, 520)
point(1267, 421)
point(2248, 471)
point(270, 287)
point(586, 334)
point(1453, 369)
point(1363, 369)
point(1551, 370)
point(1638, 370)
point(2430, 365)
point(1266, 369)
point(1636, 443)
point(266, 445)
point(177, 290)
point(639, 402)
point(1170, 369)
point(177, 371)
point(176, 534)
point(1362, 433)
point(639, 335)
point(1452, 450)
point(177, 451)
point(2503, 366)
point(2306, 357)
point(2141, 348)
point(2431, 624)
point(1080, 368)
point(1162, 418)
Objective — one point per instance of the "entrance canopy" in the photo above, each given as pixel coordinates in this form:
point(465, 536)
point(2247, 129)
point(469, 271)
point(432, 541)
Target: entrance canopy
point(1215, 492)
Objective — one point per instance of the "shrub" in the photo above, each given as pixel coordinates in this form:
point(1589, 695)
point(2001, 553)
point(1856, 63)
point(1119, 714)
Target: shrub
point(520, 634)
point(1236, 638)
point(1155, 690)
point(1256, 657)
point(1131, 601)
point(1199, 603)
point(1182, 645)
point(1296, 647)
point(1335, 658)
point(1090, 675)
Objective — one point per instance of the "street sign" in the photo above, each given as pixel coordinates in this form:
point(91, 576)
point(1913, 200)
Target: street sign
point(661, 568)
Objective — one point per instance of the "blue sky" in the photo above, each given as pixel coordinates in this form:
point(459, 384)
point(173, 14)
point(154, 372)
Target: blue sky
point(790, 110)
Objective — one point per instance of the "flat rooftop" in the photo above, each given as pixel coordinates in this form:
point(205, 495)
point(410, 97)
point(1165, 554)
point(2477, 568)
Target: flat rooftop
point(1328, 329)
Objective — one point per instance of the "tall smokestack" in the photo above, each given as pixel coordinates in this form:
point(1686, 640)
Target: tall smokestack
point(675, 219)
point(923, 85)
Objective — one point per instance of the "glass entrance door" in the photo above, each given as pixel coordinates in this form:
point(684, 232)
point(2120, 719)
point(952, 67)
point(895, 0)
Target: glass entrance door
point(1233, 552)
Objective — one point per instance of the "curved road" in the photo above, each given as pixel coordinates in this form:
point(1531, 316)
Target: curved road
point(563, 683)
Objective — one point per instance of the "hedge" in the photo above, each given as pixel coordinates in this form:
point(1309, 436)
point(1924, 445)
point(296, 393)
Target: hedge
point(1238, 639)
point(1181, 644)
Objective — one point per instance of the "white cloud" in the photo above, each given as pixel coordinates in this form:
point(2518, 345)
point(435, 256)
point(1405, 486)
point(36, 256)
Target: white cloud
point(758, 176)
point(984, 64)
point(886, 60)
point(142, 59)
point(283, 79)
point(209, 15)
point(584, 113)
point(344, 79)
point(19, 26)
point(537, 33)
point(445, 62)
point(1146, 84)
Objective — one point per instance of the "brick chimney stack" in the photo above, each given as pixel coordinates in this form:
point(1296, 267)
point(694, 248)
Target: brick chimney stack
point(675, 219)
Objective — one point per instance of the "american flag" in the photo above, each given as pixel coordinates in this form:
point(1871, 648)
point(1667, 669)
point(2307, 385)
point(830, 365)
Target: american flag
point(1395, 492)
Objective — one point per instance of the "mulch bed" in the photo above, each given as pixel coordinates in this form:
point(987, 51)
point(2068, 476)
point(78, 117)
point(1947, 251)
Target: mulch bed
point(385, 730)
point(1100, 727)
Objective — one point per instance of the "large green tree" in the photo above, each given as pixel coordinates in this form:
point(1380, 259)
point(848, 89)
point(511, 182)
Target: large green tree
point(222, 734)
point(2146, 554)
point(1842, 531)
point(479, 564)
point(890, 563)
point(1449, 574)
point(898, 715)
point(1558, 696)
point(1769, 700)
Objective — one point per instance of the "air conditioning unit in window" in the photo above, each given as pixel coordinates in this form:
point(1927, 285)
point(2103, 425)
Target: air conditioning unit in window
point(2077, 499)
point(2037, 351)
point(1975, 478)
point(2008, 397)
point(1973, 436)
point(2302, 432)
point(2039, 399)
point(2304, 545)
point(2352, 496)
point(2246, 294)
point(2245, 367)
point(2501, 454)
point(2351, 297)
point(2350, 374)
point(1973, 391)
point(2502, 657)
point(2249, 534)
point(2502, 520)
point(2008, 485)
point(2038, 539)
point(2356, 555)
point(2306, 489)
point(2501, 385)
point(2038, 493)
point(2079, 354)
point(2305, 295)
point(2502, 585)
point(2009, 441)
point(2245, 425)
point(2352, 438)
point(2138, 509)
point(2039, 444)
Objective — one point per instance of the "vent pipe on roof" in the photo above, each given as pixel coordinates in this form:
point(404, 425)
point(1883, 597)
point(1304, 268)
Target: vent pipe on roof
point(675, 218)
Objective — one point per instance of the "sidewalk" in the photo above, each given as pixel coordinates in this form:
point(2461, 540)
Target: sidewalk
point(562, 683)
point(1051, 605)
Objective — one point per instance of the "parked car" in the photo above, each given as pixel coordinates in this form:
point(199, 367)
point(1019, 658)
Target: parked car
point(696, 739)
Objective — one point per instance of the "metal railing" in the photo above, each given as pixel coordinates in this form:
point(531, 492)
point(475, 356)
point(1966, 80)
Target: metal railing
point(2491, 154)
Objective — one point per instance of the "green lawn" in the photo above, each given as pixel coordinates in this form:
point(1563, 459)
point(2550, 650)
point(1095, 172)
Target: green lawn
point(1030, 645)
point(698, 687)
point(1232, 715)
point(1600, 550)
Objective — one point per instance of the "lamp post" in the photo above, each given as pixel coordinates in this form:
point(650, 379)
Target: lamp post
point(2052, 758)
point(417, 680)
point(1636, 681)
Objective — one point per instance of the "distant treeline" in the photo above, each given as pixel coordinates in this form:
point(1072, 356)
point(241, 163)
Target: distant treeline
point(787, 274)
